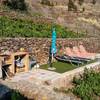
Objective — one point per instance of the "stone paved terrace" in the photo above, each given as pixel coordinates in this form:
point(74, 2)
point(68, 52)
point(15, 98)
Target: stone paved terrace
point(41, 76)
point(38, 75)
point(31, 84)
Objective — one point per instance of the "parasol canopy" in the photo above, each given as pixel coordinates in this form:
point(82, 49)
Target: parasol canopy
point(53, 46)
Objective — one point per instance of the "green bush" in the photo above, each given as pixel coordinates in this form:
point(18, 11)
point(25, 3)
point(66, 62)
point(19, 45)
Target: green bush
point(15, 95)
point(88, 86)
point(25, 28)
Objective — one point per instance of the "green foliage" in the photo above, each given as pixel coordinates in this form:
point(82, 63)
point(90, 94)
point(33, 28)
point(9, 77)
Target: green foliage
point(16, 4)
point(60, 67)
point(17, 96)
point(88, 86)
point(71, 6)
point(25, 28)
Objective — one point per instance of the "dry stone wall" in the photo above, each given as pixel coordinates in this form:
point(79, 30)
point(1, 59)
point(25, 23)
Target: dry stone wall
point(39, 47)
point(66, 78)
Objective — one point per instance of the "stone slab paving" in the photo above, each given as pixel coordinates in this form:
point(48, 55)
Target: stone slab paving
point(36, 74)
point(40, 75)
point(26, 83)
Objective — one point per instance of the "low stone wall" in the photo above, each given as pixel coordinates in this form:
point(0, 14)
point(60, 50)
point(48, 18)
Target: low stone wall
point(33, 91)
point(66, 78)
point(39, 47)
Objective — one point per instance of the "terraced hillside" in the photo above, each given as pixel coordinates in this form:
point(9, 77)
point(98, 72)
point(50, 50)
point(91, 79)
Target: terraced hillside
point(80, 16)
point(89, 10)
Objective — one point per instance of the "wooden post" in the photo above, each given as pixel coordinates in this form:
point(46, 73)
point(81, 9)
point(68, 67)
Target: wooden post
point(12, 66)
point(26, 62)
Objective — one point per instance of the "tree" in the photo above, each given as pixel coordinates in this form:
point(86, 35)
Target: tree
point(45, 2)
point(16, 4)
point(71, 6)
point(94, 2)
point(81, 2)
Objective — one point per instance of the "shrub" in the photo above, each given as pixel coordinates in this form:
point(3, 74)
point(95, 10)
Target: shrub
point(88, 86)
point(15, 95)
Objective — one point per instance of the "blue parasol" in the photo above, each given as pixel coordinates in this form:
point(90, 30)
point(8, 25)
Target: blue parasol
point(53, 46)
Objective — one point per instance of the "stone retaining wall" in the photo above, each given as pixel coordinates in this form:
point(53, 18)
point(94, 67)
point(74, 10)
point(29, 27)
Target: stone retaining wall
point(39, 47)
point(66, 78)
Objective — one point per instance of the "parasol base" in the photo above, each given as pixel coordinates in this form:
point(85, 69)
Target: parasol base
point(51, 68)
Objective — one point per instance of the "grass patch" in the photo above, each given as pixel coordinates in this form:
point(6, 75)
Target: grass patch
point(60, 67)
